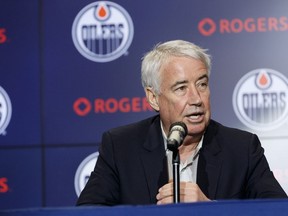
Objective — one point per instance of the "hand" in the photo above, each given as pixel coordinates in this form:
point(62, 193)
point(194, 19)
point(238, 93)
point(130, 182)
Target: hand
point(189, 192)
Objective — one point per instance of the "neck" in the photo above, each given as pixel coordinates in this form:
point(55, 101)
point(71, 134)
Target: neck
point(192, 140)
point(188, 147)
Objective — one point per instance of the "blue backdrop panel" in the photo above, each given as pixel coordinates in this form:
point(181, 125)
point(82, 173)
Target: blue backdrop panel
point(236, 53)
point(69, 76)
point(20, 178)
point(19, 70)
point(61, 166)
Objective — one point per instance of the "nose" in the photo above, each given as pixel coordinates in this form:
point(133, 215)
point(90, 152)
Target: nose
point(194, 98)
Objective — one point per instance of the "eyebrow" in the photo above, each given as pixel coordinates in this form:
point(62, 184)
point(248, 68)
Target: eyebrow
point(205, 76)
point(179, 83)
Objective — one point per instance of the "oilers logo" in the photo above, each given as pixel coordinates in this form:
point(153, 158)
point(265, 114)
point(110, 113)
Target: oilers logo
point(5, 111)
point(260, 99)
point(102, 31)
point(83, 172)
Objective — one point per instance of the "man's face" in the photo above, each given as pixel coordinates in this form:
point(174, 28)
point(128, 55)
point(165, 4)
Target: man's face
point(184, 94)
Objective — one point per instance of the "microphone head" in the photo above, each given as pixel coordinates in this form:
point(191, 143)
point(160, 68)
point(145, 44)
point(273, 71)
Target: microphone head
point(180, 126)
point(177, 133)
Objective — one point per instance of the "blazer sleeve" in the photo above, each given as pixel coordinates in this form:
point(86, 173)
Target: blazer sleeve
point(261, 181)
point(102, 187)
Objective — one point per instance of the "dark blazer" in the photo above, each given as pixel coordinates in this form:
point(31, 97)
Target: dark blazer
point(132, 166)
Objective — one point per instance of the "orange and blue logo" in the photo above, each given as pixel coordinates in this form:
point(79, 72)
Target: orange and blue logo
point(260, 99)
point(102, 31)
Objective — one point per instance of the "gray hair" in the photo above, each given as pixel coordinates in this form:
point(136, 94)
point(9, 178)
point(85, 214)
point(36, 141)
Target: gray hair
point(159, 55)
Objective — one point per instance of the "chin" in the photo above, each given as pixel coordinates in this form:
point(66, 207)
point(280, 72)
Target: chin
point(196, 129)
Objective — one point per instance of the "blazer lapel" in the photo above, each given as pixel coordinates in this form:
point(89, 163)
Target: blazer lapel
point(154, 160)
point(210, 162)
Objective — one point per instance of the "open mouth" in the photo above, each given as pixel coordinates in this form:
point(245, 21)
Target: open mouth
point(195, 116)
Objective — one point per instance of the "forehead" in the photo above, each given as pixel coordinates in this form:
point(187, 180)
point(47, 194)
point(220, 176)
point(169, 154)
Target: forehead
point(182, 67)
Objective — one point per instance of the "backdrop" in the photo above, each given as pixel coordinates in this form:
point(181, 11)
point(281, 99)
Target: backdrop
point(71, 70)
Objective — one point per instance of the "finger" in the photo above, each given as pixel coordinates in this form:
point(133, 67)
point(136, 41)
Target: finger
point(188, 184)
point(166, 200)
point(166, 186)
point(164, 193)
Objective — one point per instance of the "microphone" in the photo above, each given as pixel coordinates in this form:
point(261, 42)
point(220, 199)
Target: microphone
point(177, 133)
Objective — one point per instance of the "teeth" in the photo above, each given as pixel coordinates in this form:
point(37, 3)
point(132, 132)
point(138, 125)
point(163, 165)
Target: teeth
point(194, 116)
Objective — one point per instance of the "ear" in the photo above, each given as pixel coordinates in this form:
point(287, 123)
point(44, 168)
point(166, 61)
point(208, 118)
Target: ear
point(152, 98)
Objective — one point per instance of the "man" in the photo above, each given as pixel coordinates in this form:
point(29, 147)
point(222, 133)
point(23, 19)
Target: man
point(217, 162)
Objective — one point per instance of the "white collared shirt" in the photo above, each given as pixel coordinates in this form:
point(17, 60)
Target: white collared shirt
point(188, 169)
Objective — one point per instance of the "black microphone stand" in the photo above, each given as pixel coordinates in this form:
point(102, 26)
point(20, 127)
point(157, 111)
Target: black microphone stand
point(176, 176)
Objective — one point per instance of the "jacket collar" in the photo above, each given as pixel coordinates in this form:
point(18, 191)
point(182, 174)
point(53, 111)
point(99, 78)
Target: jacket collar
point(155, 162)
point(154, 159)
point(210, 162)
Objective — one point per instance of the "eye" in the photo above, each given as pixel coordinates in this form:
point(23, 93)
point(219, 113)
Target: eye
point(180, 87)
point(202, 85)
point(180, 90)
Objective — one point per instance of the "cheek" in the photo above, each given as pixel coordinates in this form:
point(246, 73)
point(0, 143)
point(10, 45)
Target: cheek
point(171, 105)
point(207, 108)
point(206, 100)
